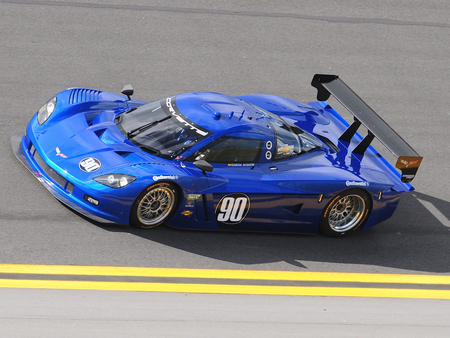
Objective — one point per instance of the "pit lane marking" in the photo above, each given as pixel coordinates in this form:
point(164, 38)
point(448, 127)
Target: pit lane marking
point(212, 288)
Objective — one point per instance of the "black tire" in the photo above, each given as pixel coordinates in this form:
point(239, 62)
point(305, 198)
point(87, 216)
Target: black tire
point(154, 205)
point(345, 212)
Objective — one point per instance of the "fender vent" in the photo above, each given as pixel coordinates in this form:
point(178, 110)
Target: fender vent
point(83, 95)
point(295, 209)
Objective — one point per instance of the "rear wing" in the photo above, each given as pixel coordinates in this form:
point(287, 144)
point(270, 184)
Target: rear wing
point(408, 160)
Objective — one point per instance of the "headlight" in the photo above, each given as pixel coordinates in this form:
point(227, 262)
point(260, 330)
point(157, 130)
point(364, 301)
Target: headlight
point(115, 181)
point(46, 110)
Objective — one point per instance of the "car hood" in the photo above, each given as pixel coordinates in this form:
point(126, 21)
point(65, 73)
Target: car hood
point(88, 149)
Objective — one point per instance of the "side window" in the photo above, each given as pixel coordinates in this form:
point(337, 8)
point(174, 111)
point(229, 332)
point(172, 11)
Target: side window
point(227, 149)
point(287, 143)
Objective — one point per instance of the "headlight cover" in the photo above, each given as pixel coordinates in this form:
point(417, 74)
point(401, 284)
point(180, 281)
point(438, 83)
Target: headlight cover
point(46, 110)
point(115, 181)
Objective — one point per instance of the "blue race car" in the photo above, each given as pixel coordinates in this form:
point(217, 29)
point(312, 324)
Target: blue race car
point(210, 161)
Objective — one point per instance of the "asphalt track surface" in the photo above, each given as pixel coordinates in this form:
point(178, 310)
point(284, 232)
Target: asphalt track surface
point(394, 54)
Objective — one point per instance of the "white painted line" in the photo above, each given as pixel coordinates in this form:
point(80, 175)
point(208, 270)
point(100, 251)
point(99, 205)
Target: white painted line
point(435, 212)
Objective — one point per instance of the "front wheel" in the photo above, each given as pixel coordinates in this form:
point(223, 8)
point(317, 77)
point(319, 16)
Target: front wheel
point(153, 206)
point(345, 212)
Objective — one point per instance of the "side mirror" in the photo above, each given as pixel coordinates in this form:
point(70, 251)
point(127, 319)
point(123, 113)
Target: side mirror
point(128, 91)
point(203, 166)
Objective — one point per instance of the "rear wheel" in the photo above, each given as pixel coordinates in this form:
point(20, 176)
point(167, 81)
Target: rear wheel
point(154, 205)
point(345, 212)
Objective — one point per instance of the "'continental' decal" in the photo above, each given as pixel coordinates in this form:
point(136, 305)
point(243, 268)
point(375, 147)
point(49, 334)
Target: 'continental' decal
point(357, 183)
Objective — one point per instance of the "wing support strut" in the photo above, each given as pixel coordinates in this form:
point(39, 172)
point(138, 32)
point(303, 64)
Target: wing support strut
point(408, 160)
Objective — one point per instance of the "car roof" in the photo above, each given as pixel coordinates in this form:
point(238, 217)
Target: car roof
point(222, 113)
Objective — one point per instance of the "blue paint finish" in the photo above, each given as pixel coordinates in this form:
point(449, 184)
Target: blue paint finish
point(287, 195)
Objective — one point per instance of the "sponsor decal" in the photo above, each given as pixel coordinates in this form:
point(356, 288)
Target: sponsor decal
point(89, 164)
point(285, 149)
point(91, 200)
point(59, 153)
point(182, 120)
point(241, 164)
point(189, 204)
point(193, 197)
point(357, 183)
point(165, 177)
point(407, 164)
point(187, 213)
point(232, 208)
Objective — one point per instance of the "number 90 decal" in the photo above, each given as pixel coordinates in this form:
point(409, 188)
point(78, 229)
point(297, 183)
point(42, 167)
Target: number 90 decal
point(232, 208)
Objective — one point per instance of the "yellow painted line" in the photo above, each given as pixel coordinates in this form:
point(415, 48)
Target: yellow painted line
point(227, 289)
point(224, 274)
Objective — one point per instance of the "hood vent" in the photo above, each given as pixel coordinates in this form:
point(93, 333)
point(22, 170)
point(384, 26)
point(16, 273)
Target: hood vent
point(82, 95)
point(99, 132)
point(136, 159)
point(90, 117)
point(124, 154)
point(146, 163)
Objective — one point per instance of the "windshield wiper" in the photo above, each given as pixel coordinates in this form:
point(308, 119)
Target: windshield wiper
point(150, 150)
point(119, 117)
point(137, 131)
point(132, 109)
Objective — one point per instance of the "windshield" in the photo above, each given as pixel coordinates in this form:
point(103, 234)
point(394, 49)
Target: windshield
point(160, 129)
